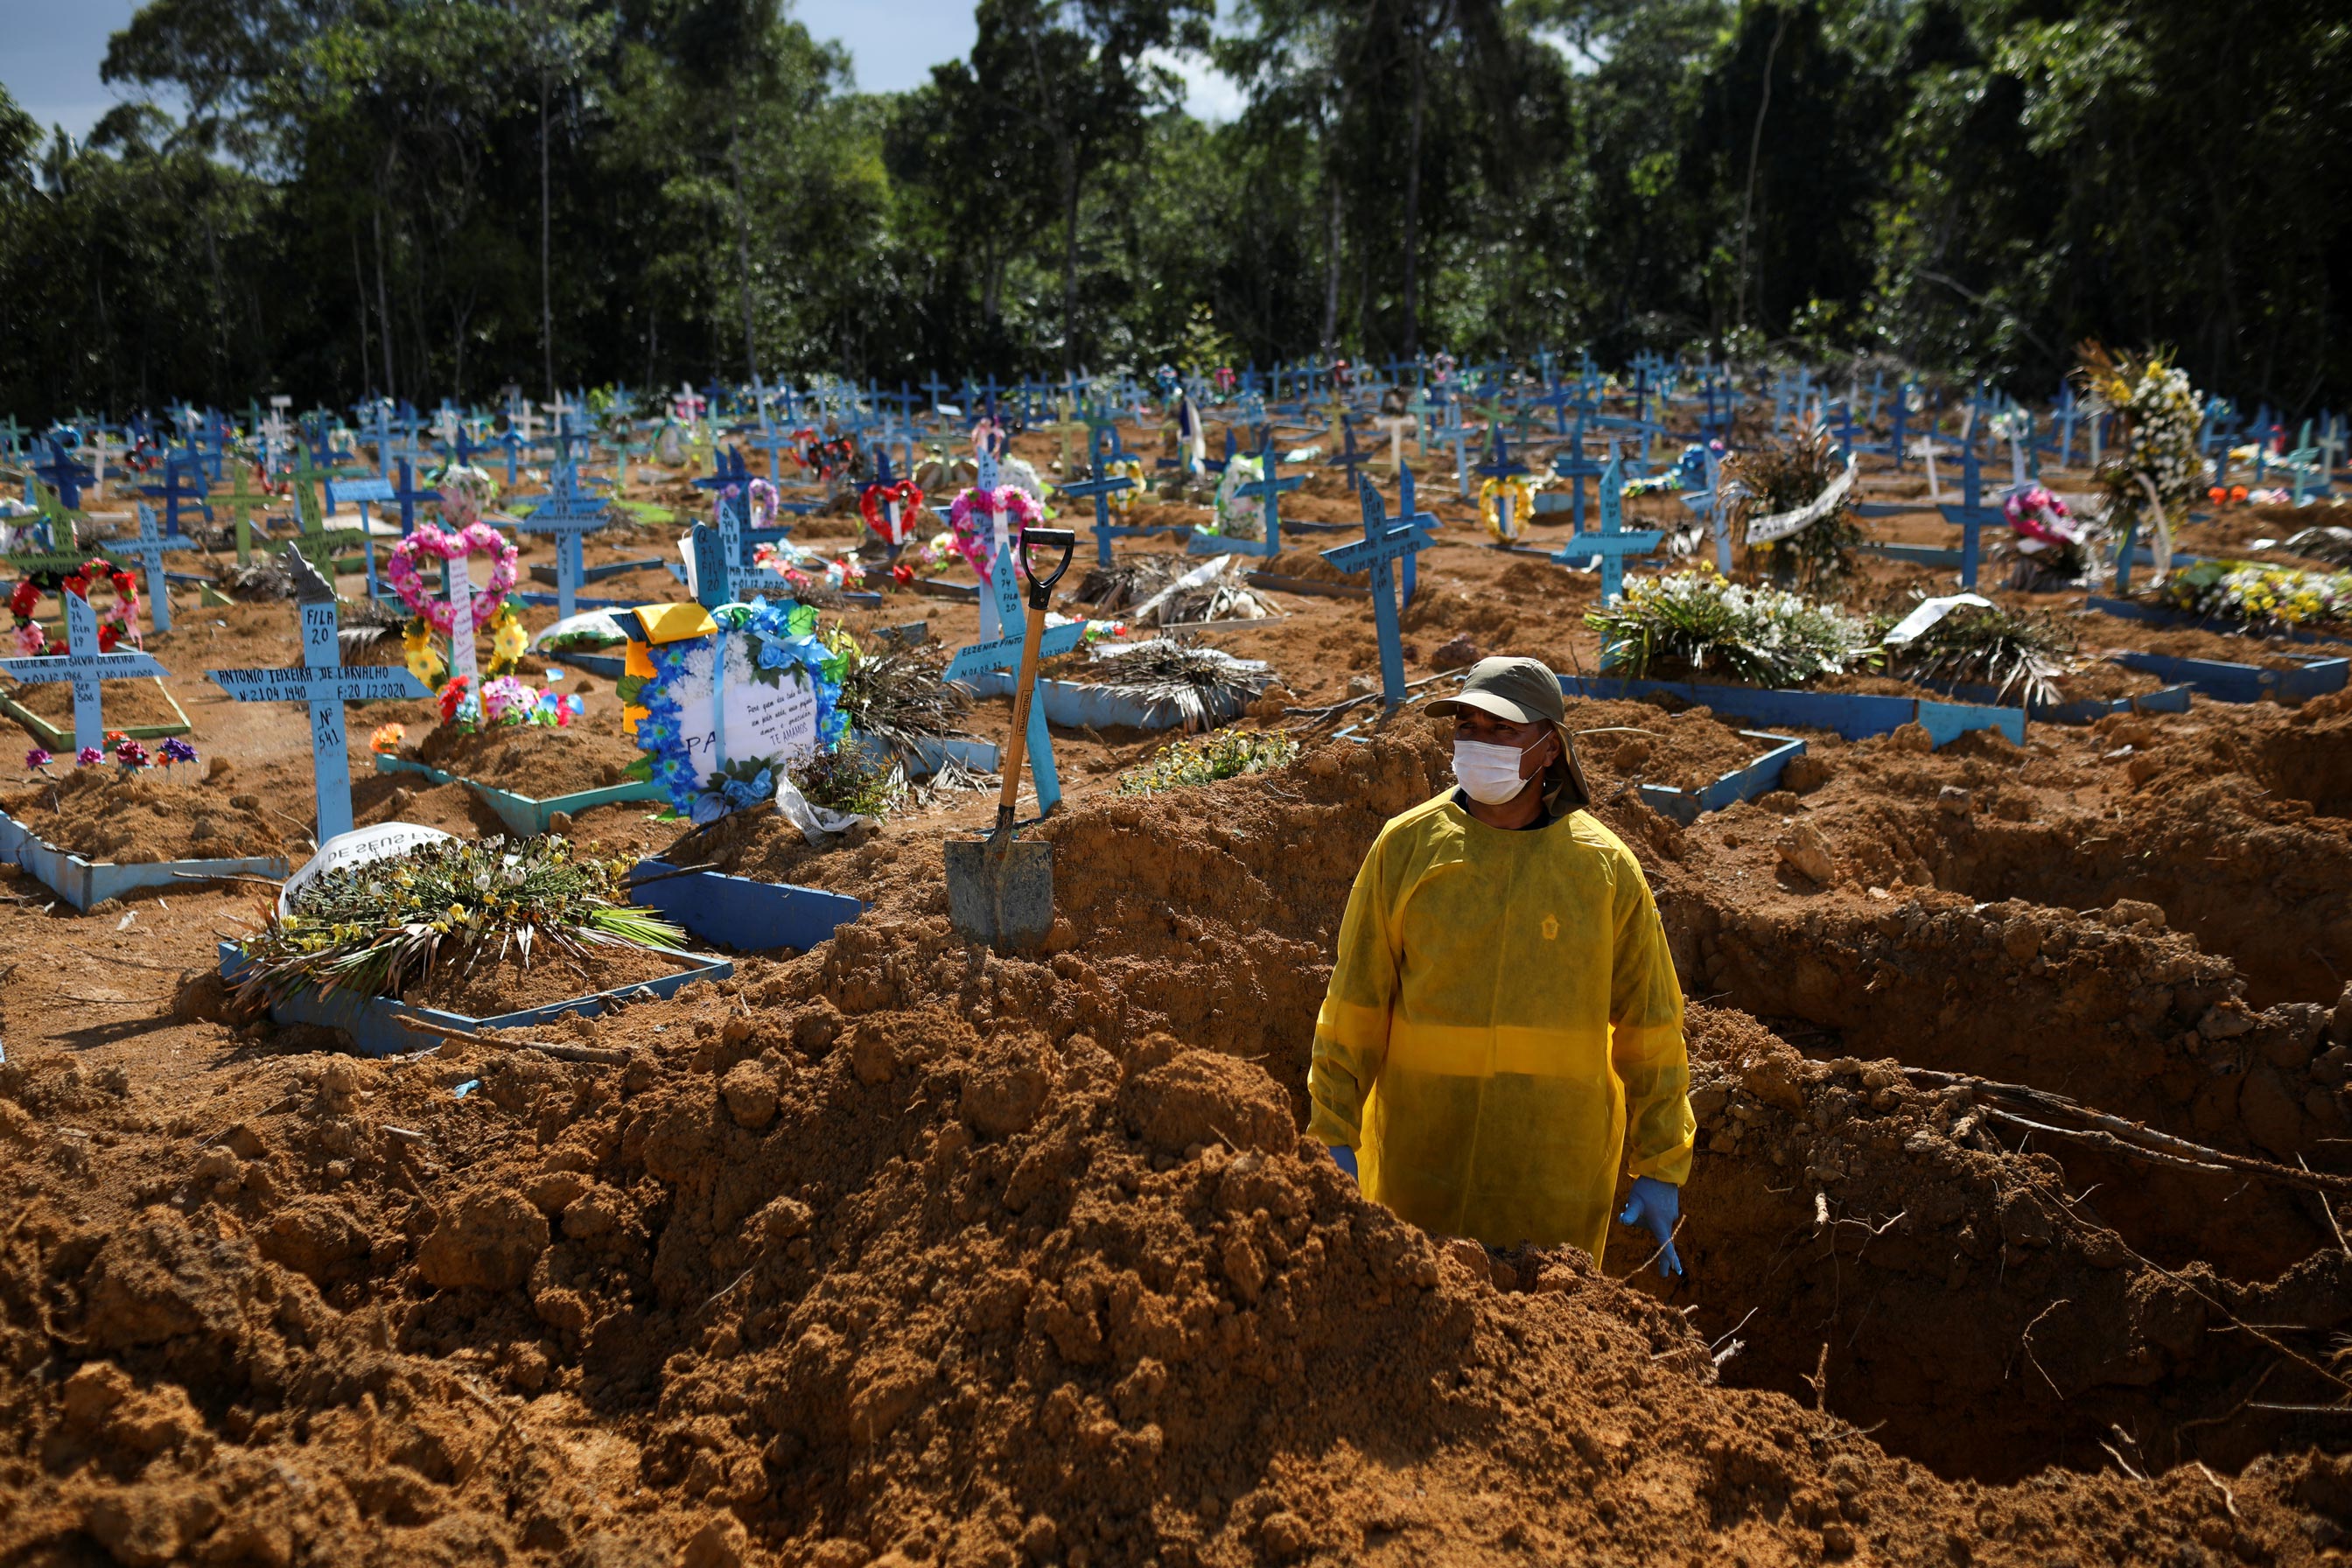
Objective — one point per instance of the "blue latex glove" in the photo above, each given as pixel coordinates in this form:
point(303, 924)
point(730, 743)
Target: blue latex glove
point(1345, 1158)
point(1655, 1205)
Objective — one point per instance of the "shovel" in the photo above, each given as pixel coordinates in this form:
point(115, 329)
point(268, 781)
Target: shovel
point(1001, 893)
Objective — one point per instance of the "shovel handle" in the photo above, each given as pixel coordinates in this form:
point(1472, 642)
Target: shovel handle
point(1041, 588)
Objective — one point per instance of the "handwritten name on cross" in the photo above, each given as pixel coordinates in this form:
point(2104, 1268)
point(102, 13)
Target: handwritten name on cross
point(85, 666)
point(568, 513)
point(1383, 542)
point(325, 683)
point(1003, 652)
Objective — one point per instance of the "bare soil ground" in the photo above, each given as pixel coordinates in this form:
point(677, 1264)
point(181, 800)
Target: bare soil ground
point(898, 1252)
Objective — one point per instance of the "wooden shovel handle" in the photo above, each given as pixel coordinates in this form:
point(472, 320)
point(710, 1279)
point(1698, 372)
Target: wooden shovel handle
point(1016, 747)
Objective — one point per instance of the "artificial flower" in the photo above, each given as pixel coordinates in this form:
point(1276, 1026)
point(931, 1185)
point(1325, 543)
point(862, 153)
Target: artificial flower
point(387, 739)
point(89, 757)
point(175, 750)
point(38, 760)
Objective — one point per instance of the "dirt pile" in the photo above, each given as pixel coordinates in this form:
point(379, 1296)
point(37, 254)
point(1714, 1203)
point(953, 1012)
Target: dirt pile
point(902, 1252)
point(172, 814)
point(542, 763)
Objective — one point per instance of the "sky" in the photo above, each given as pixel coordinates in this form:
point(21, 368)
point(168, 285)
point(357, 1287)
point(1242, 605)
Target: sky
point(50, 50)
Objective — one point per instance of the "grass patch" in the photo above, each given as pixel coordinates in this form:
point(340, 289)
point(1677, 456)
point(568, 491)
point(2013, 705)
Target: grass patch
point(1205, 759)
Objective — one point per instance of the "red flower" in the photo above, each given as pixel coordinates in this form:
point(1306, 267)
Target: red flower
point(78, 585)
point(107, 637)
point(25, 599)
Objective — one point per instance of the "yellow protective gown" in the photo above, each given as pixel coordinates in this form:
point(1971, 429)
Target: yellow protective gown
point(1503, 1014)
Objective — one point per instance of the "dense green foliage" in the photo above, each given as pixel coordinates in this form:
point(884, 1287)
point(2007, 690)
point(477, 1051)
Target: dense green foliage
point(438, 197)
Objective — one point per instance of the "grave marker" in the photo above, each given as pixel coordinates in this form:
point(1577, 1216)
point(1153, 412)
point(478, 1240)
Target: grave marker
point(1003, 652)
point(325, 683)
point(83, 664)
point(1385, 540)
point(568, 514)
point(1971, 514)
point(1613, 543)
point(148, 548)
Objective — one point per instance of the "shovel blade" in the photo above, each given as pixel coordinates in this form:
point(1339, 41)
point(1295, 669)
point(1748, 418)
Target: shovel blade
point(1002, 895)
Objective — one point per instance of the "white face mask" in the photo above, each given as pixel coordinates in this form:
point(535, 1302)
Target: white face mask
point(1488, 773)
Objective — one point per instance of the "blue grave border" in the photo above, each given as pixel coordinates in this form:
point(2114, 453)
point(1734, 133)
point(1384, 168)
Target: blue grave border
point(741, 914)
point(1757, 778)
point(2225, 681)
point(1854, 715)
point(373, 1023)
point(520, 813)
point(82, 882)
point(2163, 616)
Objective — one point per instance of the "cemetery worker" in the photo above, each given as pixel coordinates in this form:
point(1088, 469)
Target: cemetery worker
point(1504, 1013)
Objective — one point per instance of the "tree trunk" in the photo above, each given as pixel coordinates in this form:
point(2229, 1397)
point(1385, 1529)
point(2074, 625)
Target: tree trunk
point(1417, 45)
point(1755, 147)
point(546, 271)
point(743, 241)
point(1069, 257)
point(383, 303)
point(359, 286)
point(1331, 270)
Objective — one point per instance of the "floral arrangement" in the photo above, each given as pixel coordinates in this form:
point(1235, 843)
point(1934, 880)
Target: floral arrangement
point(464, 490)
point(1222, 755)
point(1785, 477)
point(1123, 502)
point(387, 739)
point(1699, 621)
point(2261, 594)
point(1240, 511)
point(1490, 505)
point(2154, 463)
point(765, 641)
point(129, 755)
point(974, 538)
point(117, 623)
point(874, 506)
point(805, 568)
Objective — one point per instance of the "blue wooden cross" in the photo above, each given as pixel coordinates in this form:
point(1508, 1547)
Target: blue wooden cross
point(1613, 542)
point(63, 474)
point(1971, 514)
point(148, 548)
point(1002, 651)
point(728, 472)
point(177, 467)
point(325, 682)
point(569, 513)
point(1099, 488)
point(720, 576)
point(1268, 488)
point(1349, 458)
point(85, 666)
point(1501, 465)
point(363, 493)
point(1408, 512)
point(1385, 541)
point(405, 495)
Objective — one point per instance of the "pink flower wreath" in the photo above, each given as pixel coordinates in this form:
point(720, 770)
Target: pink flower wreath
point(474, 539)
point(974, 539)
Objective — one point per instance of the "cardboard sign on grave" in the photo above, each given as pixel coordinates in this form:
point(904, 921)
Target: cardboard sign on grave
point(324, 683)
point(86, 667)
point(712, 717)
point(1003, 652)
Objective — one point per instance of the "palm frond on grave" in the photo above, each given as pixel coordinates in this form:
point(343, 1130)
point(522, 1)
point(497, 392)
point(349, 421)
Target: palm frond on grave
point(1129, 581)
point(1172, 591)
point(380, 929)
point(1993, 646)
point(367, 630)
point(264, 578)
point(898, 698)
point(1208, 686)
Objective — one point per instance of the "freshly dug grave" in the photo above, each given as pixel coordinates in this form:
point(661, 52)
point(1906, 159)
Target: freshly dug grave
point(538, 761)
point(904, 1247)
point(1685, 750)
point(796, 1287)
point(128, 704)
point(166, 814)
point(1871, 1243)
